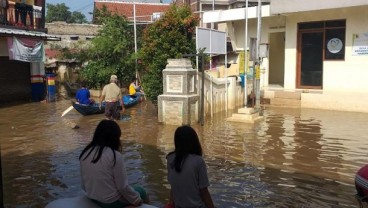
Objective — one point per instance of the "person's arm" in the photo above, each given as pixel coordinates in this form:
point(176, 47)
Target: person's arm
point(82, 182)
point(137, 86)
point(206, 198)
point(204, 184)
point(77, 96)
point(170, 204)
point(121, 182)
point(102, 98)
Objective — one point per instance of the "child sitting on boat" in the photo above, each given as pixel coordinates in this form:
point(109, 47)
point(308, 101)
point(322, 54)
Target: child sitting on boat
point(83, 96)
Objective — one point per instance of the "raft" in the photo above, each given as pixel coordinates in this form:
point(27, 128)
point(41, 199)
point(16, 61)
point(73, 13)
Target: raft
point(95, 109)
point(80, 202)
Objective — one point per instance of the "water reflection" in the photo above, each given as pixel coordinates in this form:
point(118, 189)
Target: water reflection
point(294, 158)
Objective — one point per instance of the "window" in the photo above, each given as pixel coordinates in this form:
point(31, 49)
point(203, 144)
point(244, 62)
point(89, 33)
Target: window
point(74, 37)
point(334, 44)
point(334, 37)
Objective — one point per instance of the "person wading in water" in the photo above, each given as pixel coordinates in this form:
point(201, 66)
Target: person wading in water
point(111, 93)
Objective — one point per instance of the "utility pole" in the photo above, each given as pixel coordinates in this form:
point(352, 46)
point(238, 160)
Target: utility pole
point(246, 54)
point(135, 42)
point(258, 62)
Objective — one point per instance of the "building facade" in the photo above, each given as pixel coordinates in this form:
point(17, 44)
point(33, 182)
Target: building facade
point(22, 37)
point(318, 49)
point(145, 11)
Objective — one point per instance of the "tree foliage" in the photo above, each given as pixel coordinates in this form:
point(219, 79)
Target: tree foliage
point(169, 37)
point(111, 52)
point(60, 12)
point(100, 14)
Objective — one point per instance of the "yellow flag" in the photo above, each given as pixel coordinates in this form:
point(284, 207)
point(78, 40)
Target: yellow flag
point(241, 62)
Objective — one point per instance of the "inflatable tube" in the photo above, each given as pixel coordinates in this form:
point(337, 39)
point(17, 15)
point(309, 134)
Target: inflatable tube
point(80, 202)
point(361, 183)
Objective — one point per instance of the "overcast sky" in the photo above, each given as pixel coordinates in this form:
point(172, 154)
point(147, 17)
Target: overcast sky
point(84, 6)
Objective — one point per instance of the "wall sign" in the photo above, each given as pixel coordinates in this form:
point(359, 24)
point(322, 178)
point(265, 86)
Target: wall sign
point(334, 45)
point(25, 49)
point(360, 44)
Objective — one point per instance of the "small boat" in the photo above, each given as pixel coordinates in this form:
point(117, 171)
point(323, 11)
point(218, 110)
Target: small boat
point(95, 108)
point(80, 202)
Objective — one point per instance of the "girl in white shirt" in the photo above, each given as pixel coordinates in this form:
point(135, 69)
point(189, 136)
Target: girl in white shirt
point(104, 177)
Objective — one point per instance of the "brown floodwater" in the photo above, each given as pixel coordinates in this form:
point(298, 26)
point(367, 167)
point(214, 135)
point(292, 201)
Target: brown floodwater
point(293, 158)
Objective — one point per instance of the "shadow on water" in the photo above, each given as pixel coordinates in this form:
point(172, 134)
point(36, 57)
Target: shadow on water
point(293, 158)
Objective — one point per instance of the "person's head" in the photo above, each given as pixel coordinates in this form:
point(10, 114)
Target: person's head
point(186, 142)
point(114, 78)
point(83, 84)
point(134, 79)
point(107, 134)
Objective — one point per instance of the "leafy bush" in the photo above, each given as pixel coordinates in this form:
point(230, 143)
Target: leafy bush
point(111, 52)
point(169, 37)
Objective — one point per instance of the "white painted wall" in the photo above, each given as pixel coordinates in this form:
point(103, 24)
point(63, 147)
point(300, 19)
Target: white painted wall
point(291, 6)
point(236, 30)
point(234, 14)
point(215, 94)
point(347, 75)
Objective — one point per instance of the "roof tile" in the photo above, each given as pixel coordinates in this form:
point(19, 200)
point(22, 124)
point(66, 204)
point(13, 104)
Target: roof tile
point(144, 11)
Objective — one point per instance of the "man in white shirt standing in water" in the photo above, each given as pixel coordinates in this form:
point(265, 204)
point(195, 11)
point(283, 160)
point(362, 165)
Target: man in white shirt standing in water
point(111, 93)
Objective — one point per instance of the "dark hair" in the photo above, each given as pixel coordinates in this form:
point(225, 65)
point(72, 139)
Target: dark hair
point(107, 134)
point(83, 84)
point(134, 79)
point(186, 142)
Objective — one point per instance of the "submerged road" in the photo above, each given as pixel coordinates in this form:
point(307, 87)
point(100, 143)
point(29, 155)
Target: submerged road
point(294, 158)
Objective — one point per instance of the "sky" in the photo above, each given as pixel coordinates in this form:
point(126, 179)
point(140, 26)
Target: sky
point(83, 6)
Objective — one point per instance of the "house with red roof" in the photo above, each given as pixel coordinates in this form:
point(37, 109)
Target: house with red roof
point(144, 11)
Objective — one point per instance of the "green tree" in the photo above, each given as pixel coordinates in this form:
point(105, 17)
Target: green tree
point(169, 37)
point(78, 17)
point(60, 12)
point(100, 14)
point(111, 52)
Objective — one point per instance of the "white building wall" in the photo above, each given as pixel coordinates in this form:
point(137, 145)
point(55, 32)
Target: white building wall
point(347, 75)
point(291, 6)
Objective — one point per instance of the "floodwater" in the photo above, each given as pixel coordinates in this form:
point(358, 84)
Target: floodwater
point(294, 158)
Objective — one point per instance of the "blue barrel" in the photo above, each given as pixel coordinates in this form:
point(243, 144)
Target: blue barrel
point(38, 88)
point(51, 88)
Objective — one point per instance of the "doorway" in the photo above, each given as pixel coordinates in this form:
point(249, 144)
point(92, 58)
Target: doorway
point(277, 58)
point(310, 59)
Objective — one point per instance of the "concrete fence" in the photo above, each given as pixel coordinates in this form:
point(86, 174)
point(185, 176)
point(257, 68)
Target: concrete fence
point(215, 93)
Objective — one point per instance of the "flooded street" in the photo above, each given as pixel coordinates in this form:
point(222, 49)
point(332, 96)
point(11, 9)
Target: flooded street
point(294, 158)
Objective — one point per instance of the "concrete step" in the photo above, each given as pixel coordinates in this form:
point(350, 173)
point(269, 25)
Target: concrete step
point(246, 110)
point(287, 95)
point(245, 118)
point(285, 102)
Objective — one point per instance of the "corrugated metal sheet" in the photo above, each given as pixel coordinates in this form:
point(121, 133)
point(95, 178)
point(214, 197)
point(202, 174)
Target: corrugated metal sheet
point(7, 32)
